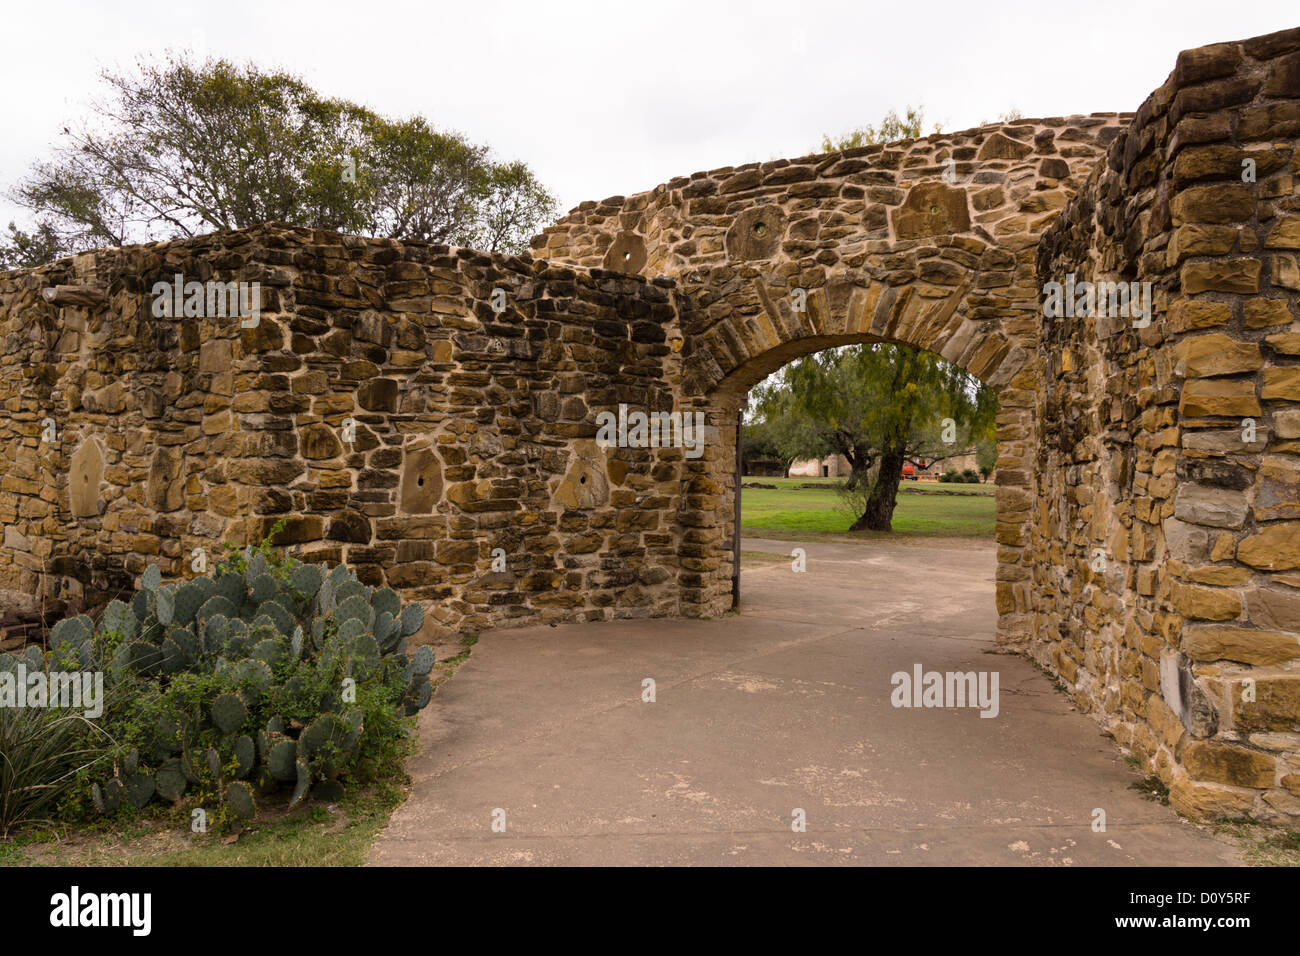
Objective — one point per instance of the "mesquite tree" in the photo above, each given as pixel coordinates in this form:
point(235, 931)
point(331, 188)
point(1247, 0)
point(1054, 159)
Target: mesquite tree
point(180, 147)
point(881, 407)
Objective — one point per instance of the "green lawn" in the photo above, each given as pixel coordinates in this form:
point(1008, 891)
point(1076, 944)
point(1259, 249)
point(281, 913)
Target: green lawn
point(922, 509)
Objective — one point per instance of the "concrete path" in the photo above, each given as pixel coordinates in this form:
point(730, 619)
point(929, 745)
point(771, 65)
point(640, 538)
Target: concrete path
point(783, 707)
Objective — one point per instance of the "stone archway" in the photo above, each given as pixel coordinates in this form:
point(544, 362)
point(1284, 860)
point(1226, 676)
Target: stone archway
point(929, 243)
point(1149, 472)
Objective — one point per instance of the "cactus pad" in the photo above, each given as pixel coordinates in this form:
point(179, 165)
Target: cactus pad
point(422, 660)
point(229, 712)
point(239, 798)
point(364, 654)
point(230, 586)
point(139, 789)
point(282, 760)
point(120, 619)
point(164, 605)
point(262, 588)
point(303, 785)
point(307, 579)
point(170, 781)
point(277, 612)
point(190, 599)
point(354, 607)
point(216, 604)
point(136, 656)
point(142, 604)
point(412, 618)
point(245, 756)
point(351, 588)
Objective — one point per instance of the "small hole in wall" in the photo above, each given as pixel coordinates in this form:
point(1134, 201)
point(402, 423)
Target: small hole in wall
point(420, 481)
point(627, 256)
point(582, 480)
point(933, 210)
point(759, 228)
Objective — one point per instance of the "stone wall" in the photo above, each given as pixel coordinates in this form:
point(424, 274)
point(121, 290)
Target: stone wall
point(927, 242)
point(1166, 551)
point(1148, 538)
point(472, 427)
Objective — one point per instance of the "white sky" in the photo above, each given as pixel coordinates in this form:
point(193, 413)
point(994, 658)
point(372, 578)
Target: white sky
point(616, 97)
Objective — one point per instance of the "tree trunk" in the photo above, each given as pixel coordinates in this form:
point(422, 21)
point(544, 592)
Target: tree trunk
point(884, 494)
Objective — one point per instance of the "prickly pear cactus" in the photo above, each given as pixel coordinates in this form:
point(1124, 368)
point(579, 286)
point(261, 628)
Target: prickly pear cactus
point(277, 644)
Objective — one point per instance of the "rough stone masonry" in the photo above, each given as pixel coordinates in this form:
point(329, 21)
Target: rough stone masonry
point(429, 415)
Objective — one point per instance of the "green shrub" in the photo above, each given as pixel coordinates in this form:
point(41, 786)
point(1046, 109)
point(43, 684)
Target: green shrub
point(267, 672)
point(45, 754)
point(970, 476)
point(950, 476)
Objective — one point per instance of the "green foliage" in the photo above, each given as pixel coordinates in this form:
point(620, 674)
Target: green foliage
point(879, 406)
point(891, 129)
point(23, 250)
point(46, 754)
point(1010, 116)
point(191, 696)
point(180, 147)
point(765, 440)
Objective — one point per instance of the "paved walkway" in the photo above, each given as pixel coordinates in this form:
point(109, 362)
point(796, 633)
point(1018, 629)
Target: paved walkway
point(785, 706)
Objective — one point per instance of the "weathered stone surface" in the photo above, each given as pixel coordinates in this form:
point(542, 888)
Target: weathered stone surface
point(1185, 697)
point(756, 233)
point(1281, 384)
point(1275, 707)
point(1240, 276)
point(85, 472)
point(1232, 202)
point(627, 253)
point(1262, 313)
point(1213, 507)
point(999, 146)
point(1275, 548)
point(1277, 607)
point(1210, 397)
point(1246, 645)
point(164, 490)
point(421, 487)
point(1203, 356)
point(586, 484)
point(320, 442)
point(1213, 762)
point(351, 526)
point(1277, 491)
point(1186, 315)
point(378, 395)
point(215, 355)
point(1202, 801)
point(1205, 603)
point(932, 209)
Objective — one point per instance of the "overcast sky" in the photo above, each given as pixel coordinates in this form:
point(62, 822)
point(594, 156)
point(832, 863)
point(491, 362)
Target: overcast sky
point(616, 97)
